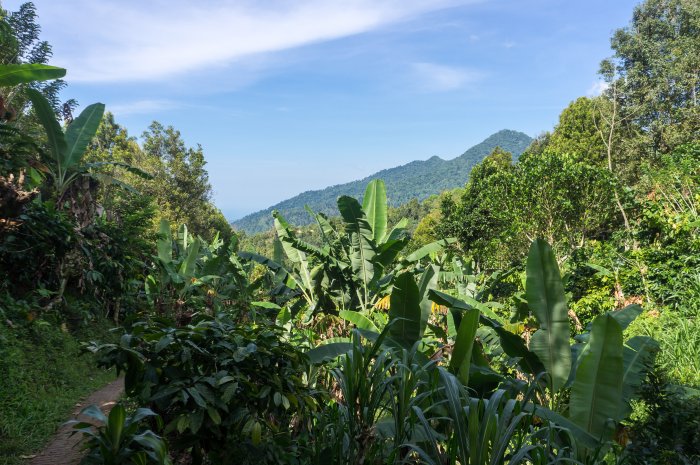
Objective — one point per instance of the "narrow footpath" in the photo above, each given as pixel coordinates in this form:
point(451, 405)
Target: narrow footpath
point(64, 449)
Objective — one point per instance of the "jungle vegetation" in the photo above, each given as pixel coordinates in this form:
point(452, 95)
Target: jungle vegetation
point(544, 312)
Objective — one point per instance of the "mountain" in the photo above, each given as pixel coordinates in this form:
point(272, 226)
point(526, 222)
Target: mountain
point(418, 179)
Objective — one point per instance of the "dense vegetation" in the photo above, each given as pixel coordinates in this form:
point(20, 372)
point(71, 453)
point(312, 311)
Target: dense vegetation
point(546, 312)
point(416, 180)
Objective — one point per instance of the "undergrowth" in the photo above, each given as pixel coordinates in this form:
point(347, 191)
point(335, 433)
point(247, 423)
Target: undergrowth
point(42, 377)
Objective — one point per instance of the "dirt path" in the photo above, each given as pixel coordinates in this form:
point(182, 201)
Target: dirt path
point(63, 448)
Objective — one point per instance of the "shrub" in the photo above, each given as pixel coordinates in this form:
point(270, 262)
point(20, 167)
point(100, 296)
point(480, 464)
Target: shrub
point(224, 390)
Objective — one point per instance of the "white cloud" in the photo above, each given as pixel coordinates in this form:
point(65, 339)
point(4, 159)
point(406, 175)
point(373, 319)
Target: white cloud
point(141, 107)
point(509, 44)
point(597, 88)
point(433, 77)
point(130, 40)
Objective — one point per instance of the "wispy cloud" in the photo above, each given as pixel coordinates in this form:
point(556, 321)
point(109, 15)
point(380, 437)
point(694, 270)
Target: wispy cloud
point(142, 107)
point(597, 88)
point(434, 77)
point(132, 40)
point(509, 44)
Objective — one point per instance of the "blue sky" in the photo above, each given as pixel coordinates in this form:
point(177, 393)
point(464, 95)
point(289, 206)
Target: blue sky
point(291, 95)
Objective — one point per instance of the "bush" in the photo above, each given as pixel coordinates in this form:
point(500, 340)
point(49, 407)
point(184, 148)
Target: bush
point(224, 390)
point(667, 430)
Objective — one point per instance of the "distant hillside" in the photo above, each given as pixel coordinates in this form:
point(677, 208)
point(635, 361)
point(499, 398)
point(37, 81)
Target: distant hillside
point(418, 179)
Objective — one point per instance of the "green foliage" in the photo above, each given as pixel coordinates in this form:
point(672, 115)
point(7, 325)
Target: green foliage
point(545, 297)
point(120, 439)
point(181, 186)
point(666, 430)
point(190, 274)
point(225, 389)
point(503, 207)
point(42, 376)
point(654, 70)
point(596, 393)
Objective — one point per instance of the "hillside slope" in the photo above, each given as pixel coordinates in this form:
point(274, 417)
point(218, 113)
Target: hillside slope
point(418, 179)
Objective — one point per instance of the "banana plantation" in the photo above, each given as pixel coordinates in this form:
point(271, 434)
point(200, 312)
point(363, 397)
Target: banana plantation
point(544, 313)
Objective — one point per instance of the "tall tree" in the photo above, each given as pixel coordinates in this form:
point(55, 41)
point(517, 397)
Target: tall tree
point(181, 186)
point(656, 71)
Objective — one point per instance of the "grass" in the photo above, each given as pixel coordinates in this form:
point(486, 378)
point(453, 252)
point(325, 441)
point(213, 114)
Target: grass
point(42, 377)
point(678, 334)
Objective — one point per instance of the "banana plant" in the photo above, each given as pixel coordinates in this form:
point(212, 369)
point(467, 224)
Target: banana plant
point(15, 74)
point(599, 370)
point(63, 160)
point(175, 274)
point(352, 269)
point(120, 438)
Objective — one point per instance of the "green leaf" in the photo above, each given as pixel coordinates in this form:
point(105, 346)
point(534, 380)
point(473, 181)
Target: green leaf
point(453, 397)
point(267, 305)
point(187, 267)
point(389, 250)
point(545, 296)
point(115, 424)
point(256, 433)
point(11, 75)
point(430, 248)
point(397, 232)
point(165, 242)
point(405, 310)
point(596, 394)
point(428, 281)
point(638, 357)
point(214, 415)
point(296, 256)
point(626, 315)
point(329, 351)
point(47, 118)
point(80, 132)
point(464, 343)
point(582, 437)
point(512, 344)
point(284, 316)
point(361, 241)
point(374, 206)
point(93, 411)
point(359, 320)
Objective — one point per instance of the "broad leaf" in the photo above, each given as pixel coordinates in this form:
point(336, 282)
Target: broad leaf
point(626, 315)
point(361, 241)
point(115, 425)
point(359, 320)
point(638, 357)
point(430, 248)
point(11, 75)
point(464, 343)
point(47, 118)
point(405, 311)
point(596, 394)
point(583, 437)
point(544, 291)
point(512, 344)
point(389, 250)
point(374, 206)
point(80, 132)
point(329, 351)
point(286, 236)
point(187, 267)
point(428, 281)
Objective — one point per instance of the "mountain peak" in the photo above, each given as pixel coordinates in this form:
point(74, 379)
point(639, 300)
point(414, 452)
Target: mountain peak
point(415, 180)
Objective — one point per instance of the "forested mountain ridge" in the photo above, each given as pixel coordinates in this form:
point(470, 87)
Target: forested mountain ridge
point(418, 179)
